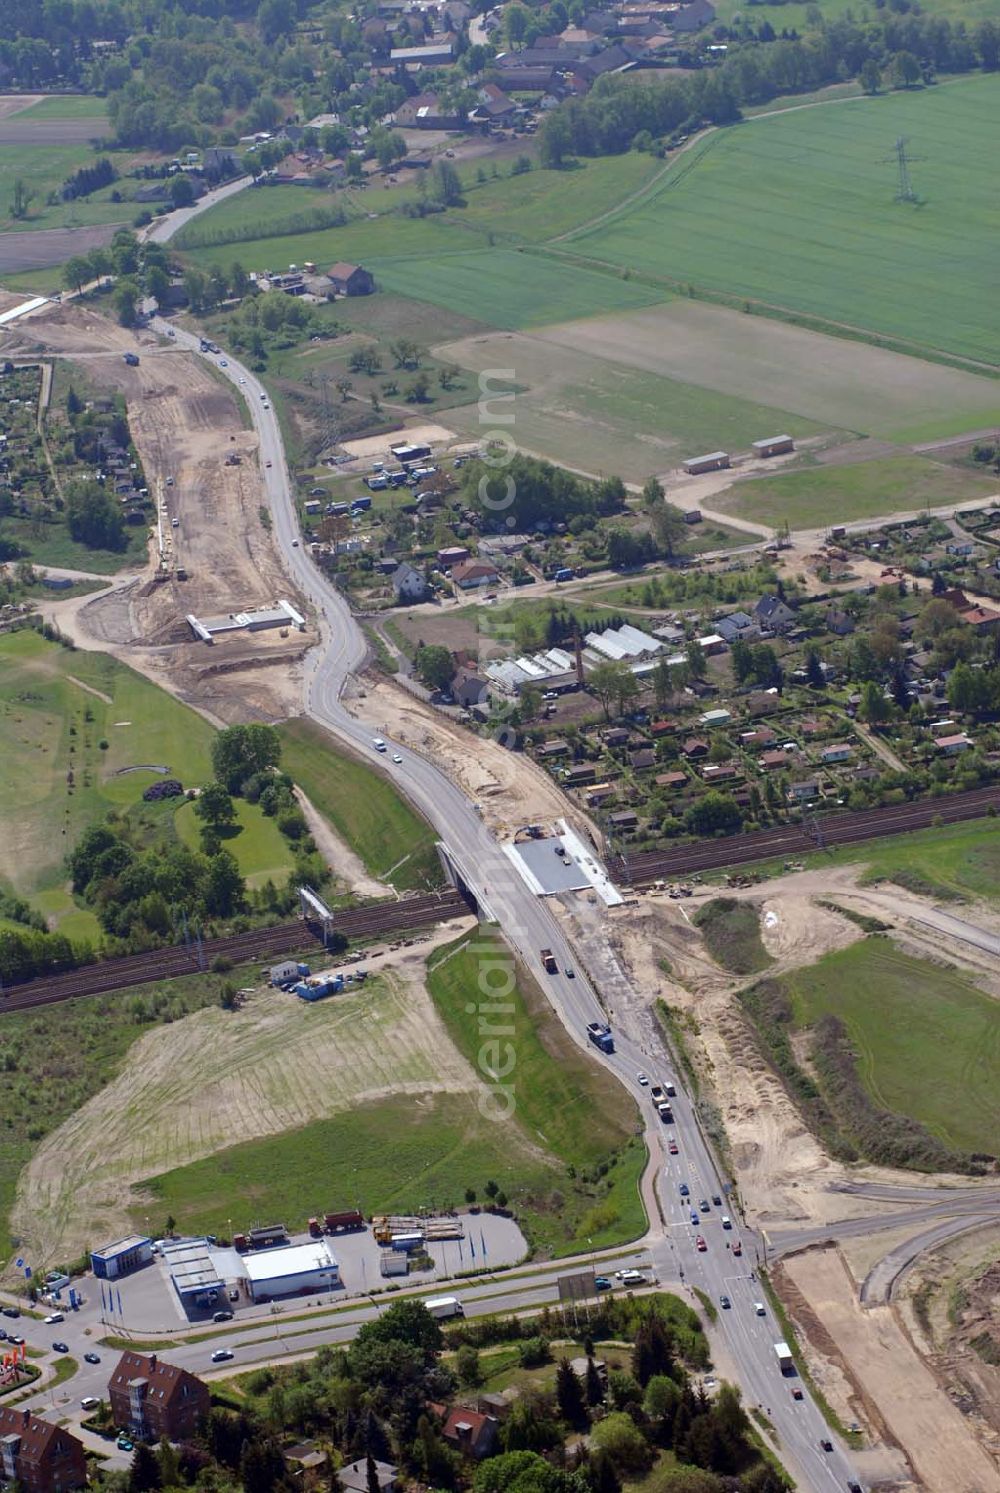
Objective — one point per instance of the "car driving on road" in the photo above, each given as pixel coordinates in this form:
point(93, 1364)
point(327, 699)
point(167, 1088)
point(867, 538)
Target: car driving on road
point(91, 1358)
point(685, 1190)
point(60, 1347)
point(222, 1355)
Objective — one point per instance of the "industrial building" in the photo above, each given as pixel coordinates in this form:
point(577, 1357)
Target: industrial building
point(713, 461)
point(122, 1257)
point(253, 619)
point(773, 445)
point(293, 1270)
point(193, 1271)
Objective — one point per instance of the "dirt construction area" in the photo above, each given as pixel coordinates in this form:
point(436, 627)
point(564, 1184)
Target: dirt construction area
point(219, 1078)
point(188, 430)
point(871, 1371)
point(510, 790)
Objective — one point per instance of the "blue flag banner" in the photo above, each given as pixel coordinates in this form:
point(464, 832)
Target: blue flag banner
point(483, 1243)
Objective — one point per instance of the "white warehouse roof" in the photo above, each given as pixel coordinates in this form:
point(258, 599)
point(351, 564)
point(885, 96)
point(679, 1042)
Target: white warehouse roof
point(294, 1259)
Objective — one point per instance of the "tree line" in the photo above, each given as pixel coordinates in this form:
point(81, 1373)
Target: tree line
point(618, 114)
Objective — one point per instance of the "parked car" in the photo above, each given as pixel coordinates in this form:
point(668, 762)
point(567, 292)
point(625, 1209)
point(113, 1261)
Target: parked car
point(222, 1316)
point(10, 1311)
point(55, 1317)
point(91, 1358)
point(60, 1347)
point(89, 1402)
point(124, 1444)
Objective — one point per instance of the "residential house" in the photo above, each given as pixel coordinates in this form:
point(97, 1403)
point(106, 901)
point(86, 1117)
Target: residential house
point(719, 772)
point(423, 112)
point(600, 794)
point(737, 625)
point(579, 777)
point(354, 1476)
point(763, 702)
point(408, 583)
point(803, 791)
point(775, 761)
point(671, 780)
point(468, 689)
point(308, 1463)
point(642, 760)
point(757, 740)
point(839, 751)
point(616, 736)
point(623, 820)
point(717, 717)
point(446, 558)
point(467, 1431)
point(952, 745)
point(981, 619)
point(839, 622)
point(695, 748)
point(37, 1455)
point(468, 574)
point(555, 748)
point(693, 17)
point(350, 279)
point(154, 1399)
point(659, 729)
point(773, 614)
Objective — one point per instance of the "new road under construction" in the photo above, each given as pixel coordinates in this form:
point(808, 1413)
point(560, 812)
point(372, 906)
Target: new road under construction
point(411, 913)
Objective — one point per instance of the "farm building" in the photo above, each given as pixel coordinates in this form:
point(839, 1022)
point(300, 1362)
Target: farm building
point(37, 1455)
point(434, 54)
point(291, 1270)
point(773, 445)
point(713, 461)
point(350, 279)
point(122, 1257)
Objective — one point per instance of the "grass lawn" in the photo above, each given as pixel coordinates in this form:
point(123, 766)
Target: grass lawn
point(395, 844)
point(817, 496)
point(731, 931)
point(820, 232)
point(56, 708)
point(509, 289)
point(564, 1100)
point(928, 1042)
point(52, 544)
point(62, 1055)
point(260, 849)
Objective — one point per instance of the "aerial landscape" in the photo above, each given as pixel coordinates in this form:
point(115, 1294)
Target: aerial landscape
point(500, 746)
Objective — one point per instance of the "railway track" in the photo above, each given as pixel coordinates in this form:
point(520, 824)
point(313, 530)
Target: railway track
point(110, 975)
point(836, 829)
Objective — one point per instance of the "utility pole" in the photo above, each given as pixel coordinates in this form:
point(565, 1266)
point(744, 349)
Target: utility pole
point(902, 160)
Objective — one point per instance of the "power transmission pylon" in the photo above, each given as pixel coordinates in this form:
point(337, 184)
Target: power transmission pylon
point(903, 160)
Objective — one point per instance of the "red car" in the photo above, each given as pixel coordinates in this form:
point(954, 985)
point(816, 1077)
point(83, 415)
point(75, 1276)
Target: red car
point(737, 1247)
point(796, 1393)
point(700, 1244)
point(673, 1148)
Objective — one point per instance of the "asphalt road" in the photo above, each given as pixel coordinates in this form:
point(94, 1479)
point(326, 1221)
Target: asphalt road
point(528, 927)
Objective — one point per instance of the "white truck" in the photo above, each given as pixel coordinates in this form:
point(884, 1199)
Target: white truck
point(443, 1307)
point(786, 1362)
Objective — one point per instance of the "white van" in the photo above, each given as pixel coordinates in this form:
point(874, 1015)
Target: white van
point(378, 744)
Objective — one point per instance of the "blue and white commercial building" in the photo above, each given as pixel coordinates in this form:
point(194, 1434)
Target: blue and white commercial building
point(295, 1270)
point(120, 1258)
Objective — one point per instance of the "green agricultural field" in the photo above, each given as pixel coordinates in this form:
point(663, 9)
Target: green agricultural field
point(364, 808)
point(596, 414)
point(68, 106)
point(44, 168)
point(62, 712)
point(928, 1042)
point(819, 496)
point(949, 862)
point(819, 232)
point(511, 290)
point(261, 851)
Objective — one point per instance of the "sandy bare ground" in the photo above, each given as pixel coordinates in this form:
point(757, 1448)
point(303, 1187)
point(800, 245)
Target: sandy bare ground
point(218, 1078)
point(511, 790)
point(15, 103)
point(890, 1387)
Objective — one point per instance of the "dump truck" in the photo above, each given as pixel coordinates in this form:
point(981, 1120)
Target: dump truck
point(314, 1228)
point(350, 1218)
point(550, 962)
point(786, 1362)
point(600, 1035)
